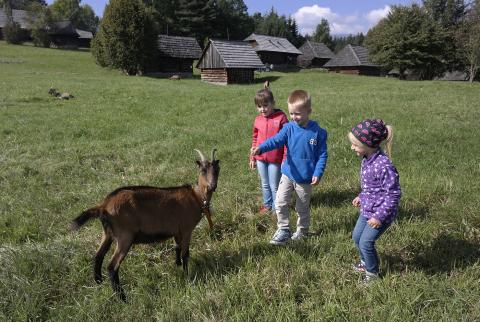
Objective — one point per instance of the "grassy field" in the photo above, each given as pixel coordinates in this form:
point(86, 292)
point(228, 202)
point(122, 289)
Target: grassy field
point(58, 158)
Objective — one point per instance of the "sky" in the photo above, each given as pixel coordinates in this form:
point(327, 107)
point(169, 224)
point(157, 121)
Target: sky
point(344, 16)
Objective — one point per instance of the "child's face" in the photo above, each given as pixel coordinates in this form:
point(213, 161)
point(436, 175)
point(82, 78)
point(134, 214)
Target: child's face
point(265, 109)
point(299, 115)
point(358, 147)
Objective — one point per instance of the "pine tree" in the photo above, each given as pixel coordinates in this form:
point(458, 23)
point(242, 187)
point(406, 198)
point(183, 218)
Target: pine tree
point(322, 33)
point(127, 38)
point(195, 18)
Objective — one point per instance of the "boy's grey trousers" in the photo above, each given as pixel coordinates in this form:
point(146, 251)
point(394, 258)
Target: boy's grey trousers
point(303, 192)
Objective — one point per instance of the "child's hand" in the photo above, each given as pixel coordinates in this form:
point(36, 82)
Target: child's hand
point(315, 181)
point(374, 223)
point(255, 151)
point(252, 164)
point(356, 202)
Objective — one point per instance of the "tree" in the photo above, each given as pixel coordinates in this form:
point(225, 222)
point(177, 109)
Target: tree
point(339, 42)
point(448, 14)
point(468, 40)
point(165, 17)
point(127, 38)
point(322, 33)
point(81, 16)
point(292, 33)
point(232, 20)
point(273, 25)
point(39, 20)
point(12, 32)
point(195, 18)
point(407, 39)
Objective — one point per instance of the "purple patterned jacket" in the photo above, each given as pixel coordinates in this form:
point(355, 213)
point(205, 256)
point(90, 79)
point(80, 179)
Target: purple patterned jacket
point(380, 185)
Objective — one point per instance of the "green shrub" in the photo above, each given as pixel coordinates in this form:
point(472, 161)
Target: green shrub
point(14, 34)
point(127, 38)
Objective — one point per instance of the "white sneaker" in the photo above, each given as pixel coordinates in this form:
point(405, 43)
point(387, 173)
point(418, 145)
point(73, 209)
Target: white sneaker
point(300, 234)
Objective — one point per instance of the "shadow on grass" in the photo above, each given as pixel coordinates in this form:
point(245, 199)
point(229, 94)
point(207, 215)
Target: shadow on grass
point(227, 261)
point(332, 198)
point(413, 211)
point(442, 255)
point(167, 75)
point(263, 79)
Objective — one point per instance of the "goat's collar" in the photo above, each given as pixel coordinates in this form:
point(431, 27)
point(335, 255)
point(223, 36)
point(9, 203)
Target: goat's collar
point(202, 198)
point(204, 201)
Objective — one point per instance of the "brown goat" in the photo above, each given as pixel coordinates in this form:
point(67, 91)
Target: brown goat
point(142, 214)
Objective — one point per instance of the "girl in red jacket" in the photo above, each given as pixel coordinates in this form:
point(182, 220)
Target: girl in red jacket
point(268, 123)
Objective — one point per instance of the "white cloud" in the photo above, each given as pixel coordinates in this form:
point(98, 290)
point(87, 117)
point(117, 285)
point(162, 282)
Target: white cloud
point(308, 18)
point(375, 16)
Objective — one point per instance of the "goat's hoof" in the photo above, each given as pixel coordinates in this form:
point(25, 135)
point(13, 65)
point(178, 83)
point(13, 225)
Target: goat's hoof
point(99, 279)
point(122, 297)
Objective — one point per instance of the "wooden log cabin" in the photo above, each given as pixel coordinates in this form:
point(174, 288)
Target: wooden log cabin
point(228, 62)
point(176, 54)
point(275, 51)
point(314, 54)
point(352, 60)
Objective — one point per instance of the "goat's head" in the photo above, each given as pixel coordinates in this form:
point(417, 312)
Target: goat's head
point(209, 171)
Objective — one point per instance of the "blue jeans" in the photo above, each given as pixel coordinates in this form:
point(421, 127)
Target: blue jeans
point(269, 176)
point(364, 237)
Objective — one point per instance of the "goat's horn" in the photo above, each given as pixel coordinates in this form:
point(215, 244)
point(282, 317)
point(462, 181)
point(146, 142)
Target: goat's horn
point(202, 157)
point(213, 154)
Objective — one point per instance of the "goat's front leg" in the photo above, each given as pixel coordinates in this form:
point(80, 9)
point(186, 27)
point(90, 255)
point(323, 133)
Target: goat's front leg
point(123, 246)
point(185, 251)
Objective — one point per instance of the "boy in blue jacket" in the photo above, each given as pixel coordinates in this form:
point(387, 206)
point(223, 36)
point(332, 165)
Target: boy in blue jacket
point(303, 168)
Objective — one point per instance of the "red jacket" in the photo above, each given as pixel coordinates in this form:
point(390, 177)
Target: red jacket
point(264, 128)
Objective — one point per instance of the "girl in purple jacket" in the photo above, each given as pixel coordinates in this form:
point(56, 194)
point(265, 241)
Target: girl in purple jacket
point(380, 191)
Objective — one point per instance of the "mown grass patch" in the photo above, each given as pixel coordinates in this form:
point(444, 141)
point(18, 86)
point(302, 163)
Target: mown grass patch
point(58, 158)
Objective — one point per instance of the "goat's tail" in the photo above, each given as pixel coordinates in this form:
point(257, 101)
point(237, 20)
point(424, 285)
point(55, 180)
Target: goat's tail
point(95, 212)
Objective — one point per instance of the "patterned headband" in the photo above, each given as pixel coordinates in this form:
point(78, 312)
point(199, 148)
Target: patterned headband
point(370, 132)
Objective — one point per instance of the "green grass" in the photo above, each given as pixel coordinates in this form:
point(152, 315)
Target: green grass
point(58, 158)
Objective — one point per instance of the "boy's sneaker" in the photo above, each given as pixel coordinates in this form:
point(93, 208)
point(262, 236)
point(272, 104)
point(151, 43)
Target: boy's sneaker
point(359, 267)
point(281, 237)
point(263, 210)
point(300, 234)
point(370, 277)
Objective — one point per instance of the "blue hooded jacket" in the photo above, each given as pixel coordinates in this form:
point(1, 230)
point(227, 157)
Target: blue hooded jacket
point(306, 150)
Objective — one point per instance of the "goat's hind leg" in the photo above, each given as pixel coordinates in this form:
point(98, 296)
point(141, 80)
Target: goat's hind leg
point(178, 250)
point(100, 255)
point(123, 246)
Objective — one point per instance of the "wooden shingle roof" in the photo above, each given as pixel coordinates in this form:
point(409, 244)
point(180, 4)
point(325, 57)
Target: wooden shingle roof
point(272, 44)
point(63, 28)
point(19, 16)
point(319, 49)
point(179, 47)
point(351, 55)
point(229, 54)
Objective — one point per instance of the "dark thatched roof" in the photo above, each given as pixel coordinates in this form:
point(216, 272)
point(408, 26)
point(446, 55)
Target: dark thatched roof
point(272, 44)
point(350, 56)
point(19, 16)
point(231, 54)
point(179, 47)
point(319, 49)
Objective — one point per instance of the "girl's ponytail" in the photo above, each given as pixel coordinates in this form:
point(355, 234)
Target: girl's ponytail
point(389, 140)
